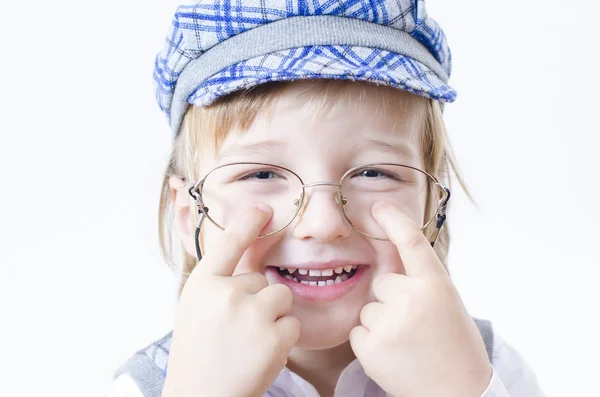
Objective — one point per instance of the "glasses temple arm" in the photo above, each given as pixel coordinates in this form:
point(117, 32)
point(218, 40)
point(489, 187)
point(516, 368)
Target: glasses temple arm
point(202, 215)
point(441, 217)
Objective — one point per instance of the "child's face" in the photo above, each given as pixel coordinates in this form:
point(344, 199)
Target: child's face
point(322, 150)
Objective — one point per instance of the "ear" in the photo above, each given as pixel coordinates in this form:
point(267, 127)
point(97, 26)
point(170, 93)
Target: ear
point(182, 205)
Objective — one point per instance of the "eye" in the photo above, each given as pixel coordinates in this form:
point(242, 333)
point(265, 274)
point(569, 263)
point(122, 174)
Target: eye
point(259, 175)
point(263, 175)
point(371, 173)
point(377, 173)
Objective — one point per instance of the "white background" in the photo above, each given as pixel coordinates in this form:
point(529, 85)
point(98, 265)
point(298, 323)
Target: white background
point(83, 145)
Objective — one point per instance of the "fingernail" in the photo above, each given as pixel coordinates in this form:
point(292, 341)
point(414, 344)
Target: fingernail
point(264, 208)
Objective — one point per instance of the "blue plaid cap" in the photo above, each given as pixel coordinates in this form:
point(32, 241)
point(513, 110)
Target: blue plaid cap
point(215, 47)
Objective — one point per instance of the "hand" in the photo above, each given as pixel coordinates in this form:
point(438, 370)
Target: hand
point(231, 335)
point(418, 340)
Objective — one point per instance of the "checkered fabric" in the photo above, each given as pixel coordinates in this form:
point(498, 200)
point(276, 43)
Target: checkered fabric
point(148, 366)
point(198, 27)
point(335, 62)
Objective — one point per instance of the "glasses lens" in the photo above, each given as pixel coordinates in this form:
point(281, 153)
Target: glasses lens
point(230, 190)
point(404, 186)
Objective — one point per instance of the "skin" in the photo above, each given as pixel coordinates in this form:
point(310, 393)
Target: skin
point(404, 319)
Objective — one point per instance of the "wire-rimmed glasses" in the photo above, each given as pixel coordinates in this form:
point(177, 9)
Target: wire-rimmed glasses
point(227, 190)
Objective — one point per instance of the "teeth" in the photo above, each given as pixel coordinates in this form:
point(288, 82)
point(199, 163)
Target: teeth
point(341, 276)
point(304, 282)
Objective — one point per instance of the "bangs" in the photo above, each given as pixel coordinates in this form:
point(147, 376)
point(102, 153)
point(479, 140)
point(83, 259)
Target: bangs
point(204, 129)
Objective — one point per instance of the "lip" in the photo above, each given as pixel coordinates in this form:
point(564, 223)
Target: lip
point(315, 293)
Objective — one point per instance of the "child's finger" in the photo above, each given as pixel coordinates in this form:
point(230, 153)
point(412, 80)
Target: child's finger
point(222, 258)
point(388, 285)
point(416, 252)
point(371, 313)
point(288, 328)
point(251, 283)
point(276, 300)
point(358, 341)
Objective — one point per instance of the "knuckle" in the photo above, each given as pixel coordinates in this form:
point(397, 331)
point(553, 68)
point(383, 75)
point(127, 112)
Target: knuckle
point(364, 313)
point(257, 280)
point(283, 292)
point(295, 324)
point(291, 329)
point(281, 295)
point(294, 328)
point(366, 308)
point(416, 240)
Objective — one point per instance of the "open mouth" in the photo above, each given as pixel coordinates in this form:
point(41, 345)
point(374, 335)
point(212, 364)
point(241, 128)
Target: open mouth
point(319, 278)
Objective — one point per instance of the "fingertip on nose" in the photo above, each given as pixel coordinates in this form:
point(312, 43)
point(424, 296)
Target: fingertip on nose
point(264, 208)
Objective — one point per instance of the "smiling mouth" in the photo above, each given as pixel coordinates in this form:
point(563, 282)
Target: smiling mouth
point(319, 278)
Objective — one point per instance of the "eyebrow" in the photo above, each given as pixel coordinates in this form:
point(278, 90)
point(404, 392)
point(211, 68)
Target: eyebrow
point(385, 147)
point(257, 149)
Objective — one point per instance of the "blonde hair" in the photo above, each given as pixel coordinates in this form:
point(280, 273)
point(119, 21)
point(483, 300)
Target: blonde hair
point(204, 129)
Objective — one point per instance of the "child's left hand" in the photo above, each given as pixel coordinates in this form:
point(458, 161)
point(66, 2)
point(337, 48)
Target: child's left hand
point(418, 340)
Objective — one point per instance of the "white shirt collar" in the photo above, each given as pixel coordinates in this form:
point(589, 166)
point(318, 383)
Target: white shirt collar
point(353, 382)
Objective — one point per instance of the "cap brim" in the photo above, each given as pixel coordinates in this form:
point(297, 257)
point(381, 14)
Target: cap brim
point(330, 62)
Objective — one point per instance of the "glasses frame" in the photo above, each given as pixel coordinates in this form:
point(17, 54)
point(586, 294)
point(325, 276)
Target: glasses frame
point(440, 214)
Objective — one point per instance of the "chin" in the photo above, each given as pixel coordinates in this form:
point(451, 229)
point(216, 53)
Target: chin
point(327, 329)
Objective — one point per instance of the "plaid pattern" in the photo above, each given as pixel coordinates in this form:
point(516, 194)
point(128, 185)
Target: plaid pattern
point(158, 352)
point(334, 62)
point(198, 27)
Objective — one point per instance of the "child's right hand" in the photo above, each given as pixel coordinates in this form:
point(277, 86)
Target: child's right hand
point(231, 335)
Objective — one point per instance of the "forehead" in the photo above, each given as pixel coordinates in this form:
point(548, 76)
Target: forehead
point(313, 118)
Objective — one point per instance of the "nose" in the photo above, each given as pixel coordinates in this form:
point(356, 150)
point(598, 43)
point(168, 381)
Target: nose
point(321, 217)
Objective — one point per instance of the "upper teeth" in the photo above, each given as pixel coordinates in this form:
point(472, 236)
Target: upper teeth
point(317, 273)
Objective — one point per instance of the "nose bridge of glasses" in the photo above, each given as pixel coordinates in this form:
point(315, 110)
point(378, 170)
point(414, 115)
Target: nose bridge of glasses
point(337, 185)
point(322, 183)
